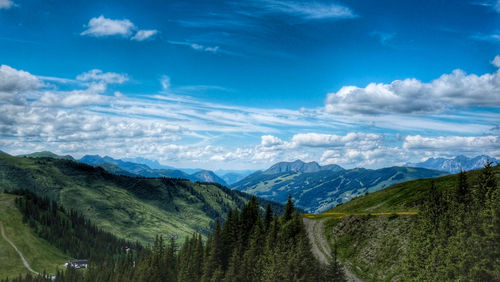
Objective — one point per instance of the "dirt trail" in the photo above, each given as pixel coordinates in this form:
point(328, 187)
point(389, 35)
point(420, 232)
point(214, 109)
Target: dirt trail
point(320, 247)
point(25, 262)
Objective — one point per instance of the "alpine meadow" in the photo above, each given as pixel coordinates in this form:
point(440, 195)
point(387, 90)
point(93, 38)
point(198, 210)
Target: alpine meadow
point(258, 140)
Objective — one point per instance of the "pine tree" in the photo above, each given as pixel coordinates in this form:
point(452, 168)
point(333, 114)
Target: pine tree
point(289, 209)
point(268, 217)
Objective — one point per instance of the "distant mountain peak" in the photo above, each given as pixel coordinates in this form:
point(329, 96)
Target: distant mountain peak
point(299, 166)
point(454, 165)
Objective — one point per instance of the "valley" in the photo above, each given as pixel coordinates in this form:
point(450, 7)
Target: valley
point(317, 189)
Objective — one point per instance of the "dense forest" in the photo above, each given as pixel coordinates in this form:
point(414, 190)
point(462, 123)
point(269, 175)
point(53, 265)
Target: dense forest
point(249, 246)
point(457, 234)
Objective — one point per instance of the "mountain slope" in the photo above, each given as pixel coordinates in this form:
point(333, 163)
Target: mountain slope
point(454, 165)
point(47, 154)
point(131, 208)
point(207, 176)
point(322, 189)
point(39, 253)
point(300, 166)
point(371, 237)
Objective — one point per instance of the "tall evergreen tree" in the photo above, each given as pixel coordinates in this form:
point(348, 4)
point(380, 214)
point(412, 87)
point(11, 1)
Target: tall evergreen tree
point(289, 209)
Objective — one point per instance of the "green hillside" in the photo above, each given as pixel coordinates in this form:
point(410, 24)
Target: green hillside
point(132, 208)
point(47, 154)
point(38, 252)
point(372, 232)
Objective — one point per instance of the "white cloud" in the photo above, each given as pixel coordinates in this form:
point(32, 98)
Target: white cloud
point(270, 141)
point(102, 26)
point(105, 77)
point(198, 47)
point(309, 10)
point(455, 90)
point(12, 80)
point(144, 34)
point(71, 99)
point(6, 4)
point(15, 85)
point(496, 61)
point(329, 140)
point(476, 144)
point(165, 82)
point(186, 131)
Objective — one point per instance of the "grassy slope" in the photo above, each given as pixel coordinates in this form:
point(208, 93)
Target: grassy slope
point(38, 252)
point(131, 208)
point(373, 246)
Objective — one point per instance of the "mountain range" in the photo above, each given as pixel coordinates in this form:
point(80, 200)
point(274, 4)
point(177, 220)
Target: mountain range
point(118, 166)
point(456, 164)
point(316, 188)
point(151, 168)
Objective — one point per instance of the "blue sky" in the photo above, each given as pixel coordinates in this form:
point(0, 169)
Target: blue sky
point(244, 84)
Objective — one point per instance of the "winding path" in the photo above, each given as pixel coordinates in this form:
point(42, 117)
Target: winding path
point(320, 247)
point(25, 262)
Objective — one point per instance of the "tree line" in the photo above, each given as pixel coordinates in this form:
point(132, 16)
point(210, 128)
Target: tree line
point(457, 233)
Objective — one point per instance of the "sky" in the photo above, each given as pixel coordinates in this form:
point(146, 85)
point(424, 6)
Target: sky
point(245, 84)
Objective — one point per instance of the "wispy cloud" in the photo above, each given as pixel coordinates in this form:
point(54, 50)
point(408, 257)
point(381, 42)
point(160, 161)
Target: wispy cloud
point(6, 4)
point(197, 47)
point(145, 34)
point(494, 37)
point(493, 4)
point(308, 10)
point(383, 37)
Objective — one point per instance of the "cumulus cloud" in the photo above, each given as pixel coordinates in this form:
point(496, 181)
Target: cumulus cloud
point(98, 75)
point(309, 10)
point(411, 96)
point(12, 80)
point(14, 85)
point(184, 130)
point(363, 158)
point(144, 34)
point(269, 141)
point(102, 26)
point(6, 4)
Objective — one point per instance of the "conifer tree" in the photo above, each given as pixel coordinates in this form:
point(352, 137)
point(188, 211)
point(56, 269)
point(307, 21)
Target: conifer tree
point(289, 209)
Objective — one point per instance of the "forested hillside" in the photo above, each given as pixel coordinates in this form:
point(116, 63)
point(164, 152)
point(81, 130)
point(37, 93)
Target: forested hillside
point(437, 229)
point(247, 247)
point(129, 207)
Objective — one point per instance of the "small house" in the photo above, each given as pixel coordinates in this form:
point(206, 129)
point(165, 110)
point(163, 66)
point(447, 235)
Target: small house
point(79, 263)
